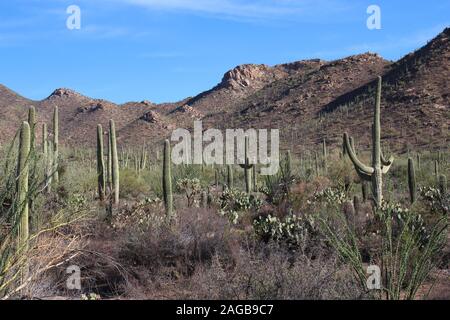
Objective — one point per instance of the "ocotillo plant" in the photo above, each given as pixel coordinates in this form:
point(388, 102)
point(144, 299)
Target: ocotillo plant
point(380, 165)
point(411, 181)
point(22, 193)
point(100, 164)
point(55, 145)
point(167, 180)
point(229, 176)
point(247, 166)
point(114, 162)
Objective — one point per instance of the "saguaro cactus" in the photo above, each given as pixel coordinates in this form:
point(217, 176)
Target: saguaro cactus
point(380, 165)
point(32, 124)
point(325, 155)
point(109, 168)
point(255, 179)
point(114, 162)
point(44, 140)
point(411, 181)
point(229, 176)
point(100, 164)
point(247, 169)
point(22, 192)
point(443, 185)
point(436, 168)
point(55, 144)
point(167, 180)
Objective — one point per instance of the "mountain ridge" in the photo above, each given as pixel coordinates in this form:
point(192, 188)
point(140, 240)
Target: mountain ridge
point(312, 99)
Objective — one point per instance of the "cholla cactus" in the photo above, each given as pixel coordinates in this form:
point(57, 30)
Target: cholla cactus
point(380, 165)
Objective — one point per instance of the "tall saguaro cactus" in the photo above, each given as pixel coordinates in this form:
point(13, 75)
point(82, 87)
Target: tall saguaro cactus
point(167, 180)
point(247, 168)
point(411, 181)
point(100, 164)
point(229, 176)
point(114, 162)
point(32, 124)
point(380, 165)
point(109, 167)
point(325, 156)
point(55, 144)
point(22, 192)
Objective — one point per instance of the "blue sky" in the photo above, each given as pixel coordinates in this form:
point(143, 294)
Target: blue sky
point(165, 50)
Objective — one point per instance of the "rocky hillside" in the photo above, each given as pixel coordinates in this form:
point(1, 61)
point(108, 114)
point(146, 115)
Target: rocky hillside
point(308, 100)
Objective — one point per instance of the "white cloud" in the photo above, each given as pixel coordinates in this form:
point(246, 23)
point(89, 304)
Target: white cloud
point(252, 9)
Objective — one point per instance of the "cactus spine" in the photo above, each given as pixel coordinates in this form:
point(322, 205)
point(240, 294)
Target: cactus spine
point(380, 165)
point(55, 144)
point(411, 181)
point(114, 162)
point(167, 180)
point(22, 193)
point(100, 164)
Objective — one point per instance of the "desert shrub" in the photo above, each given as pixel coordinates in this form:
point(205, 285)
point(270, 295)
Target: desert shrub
point(330, 196)
point(277, 187)
point(191, 189)
point(408, 249)
point(291, 229)
point(233, 203)
point(272, 273)
point(436, 202)
point(174, 250)
point(131, 185)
